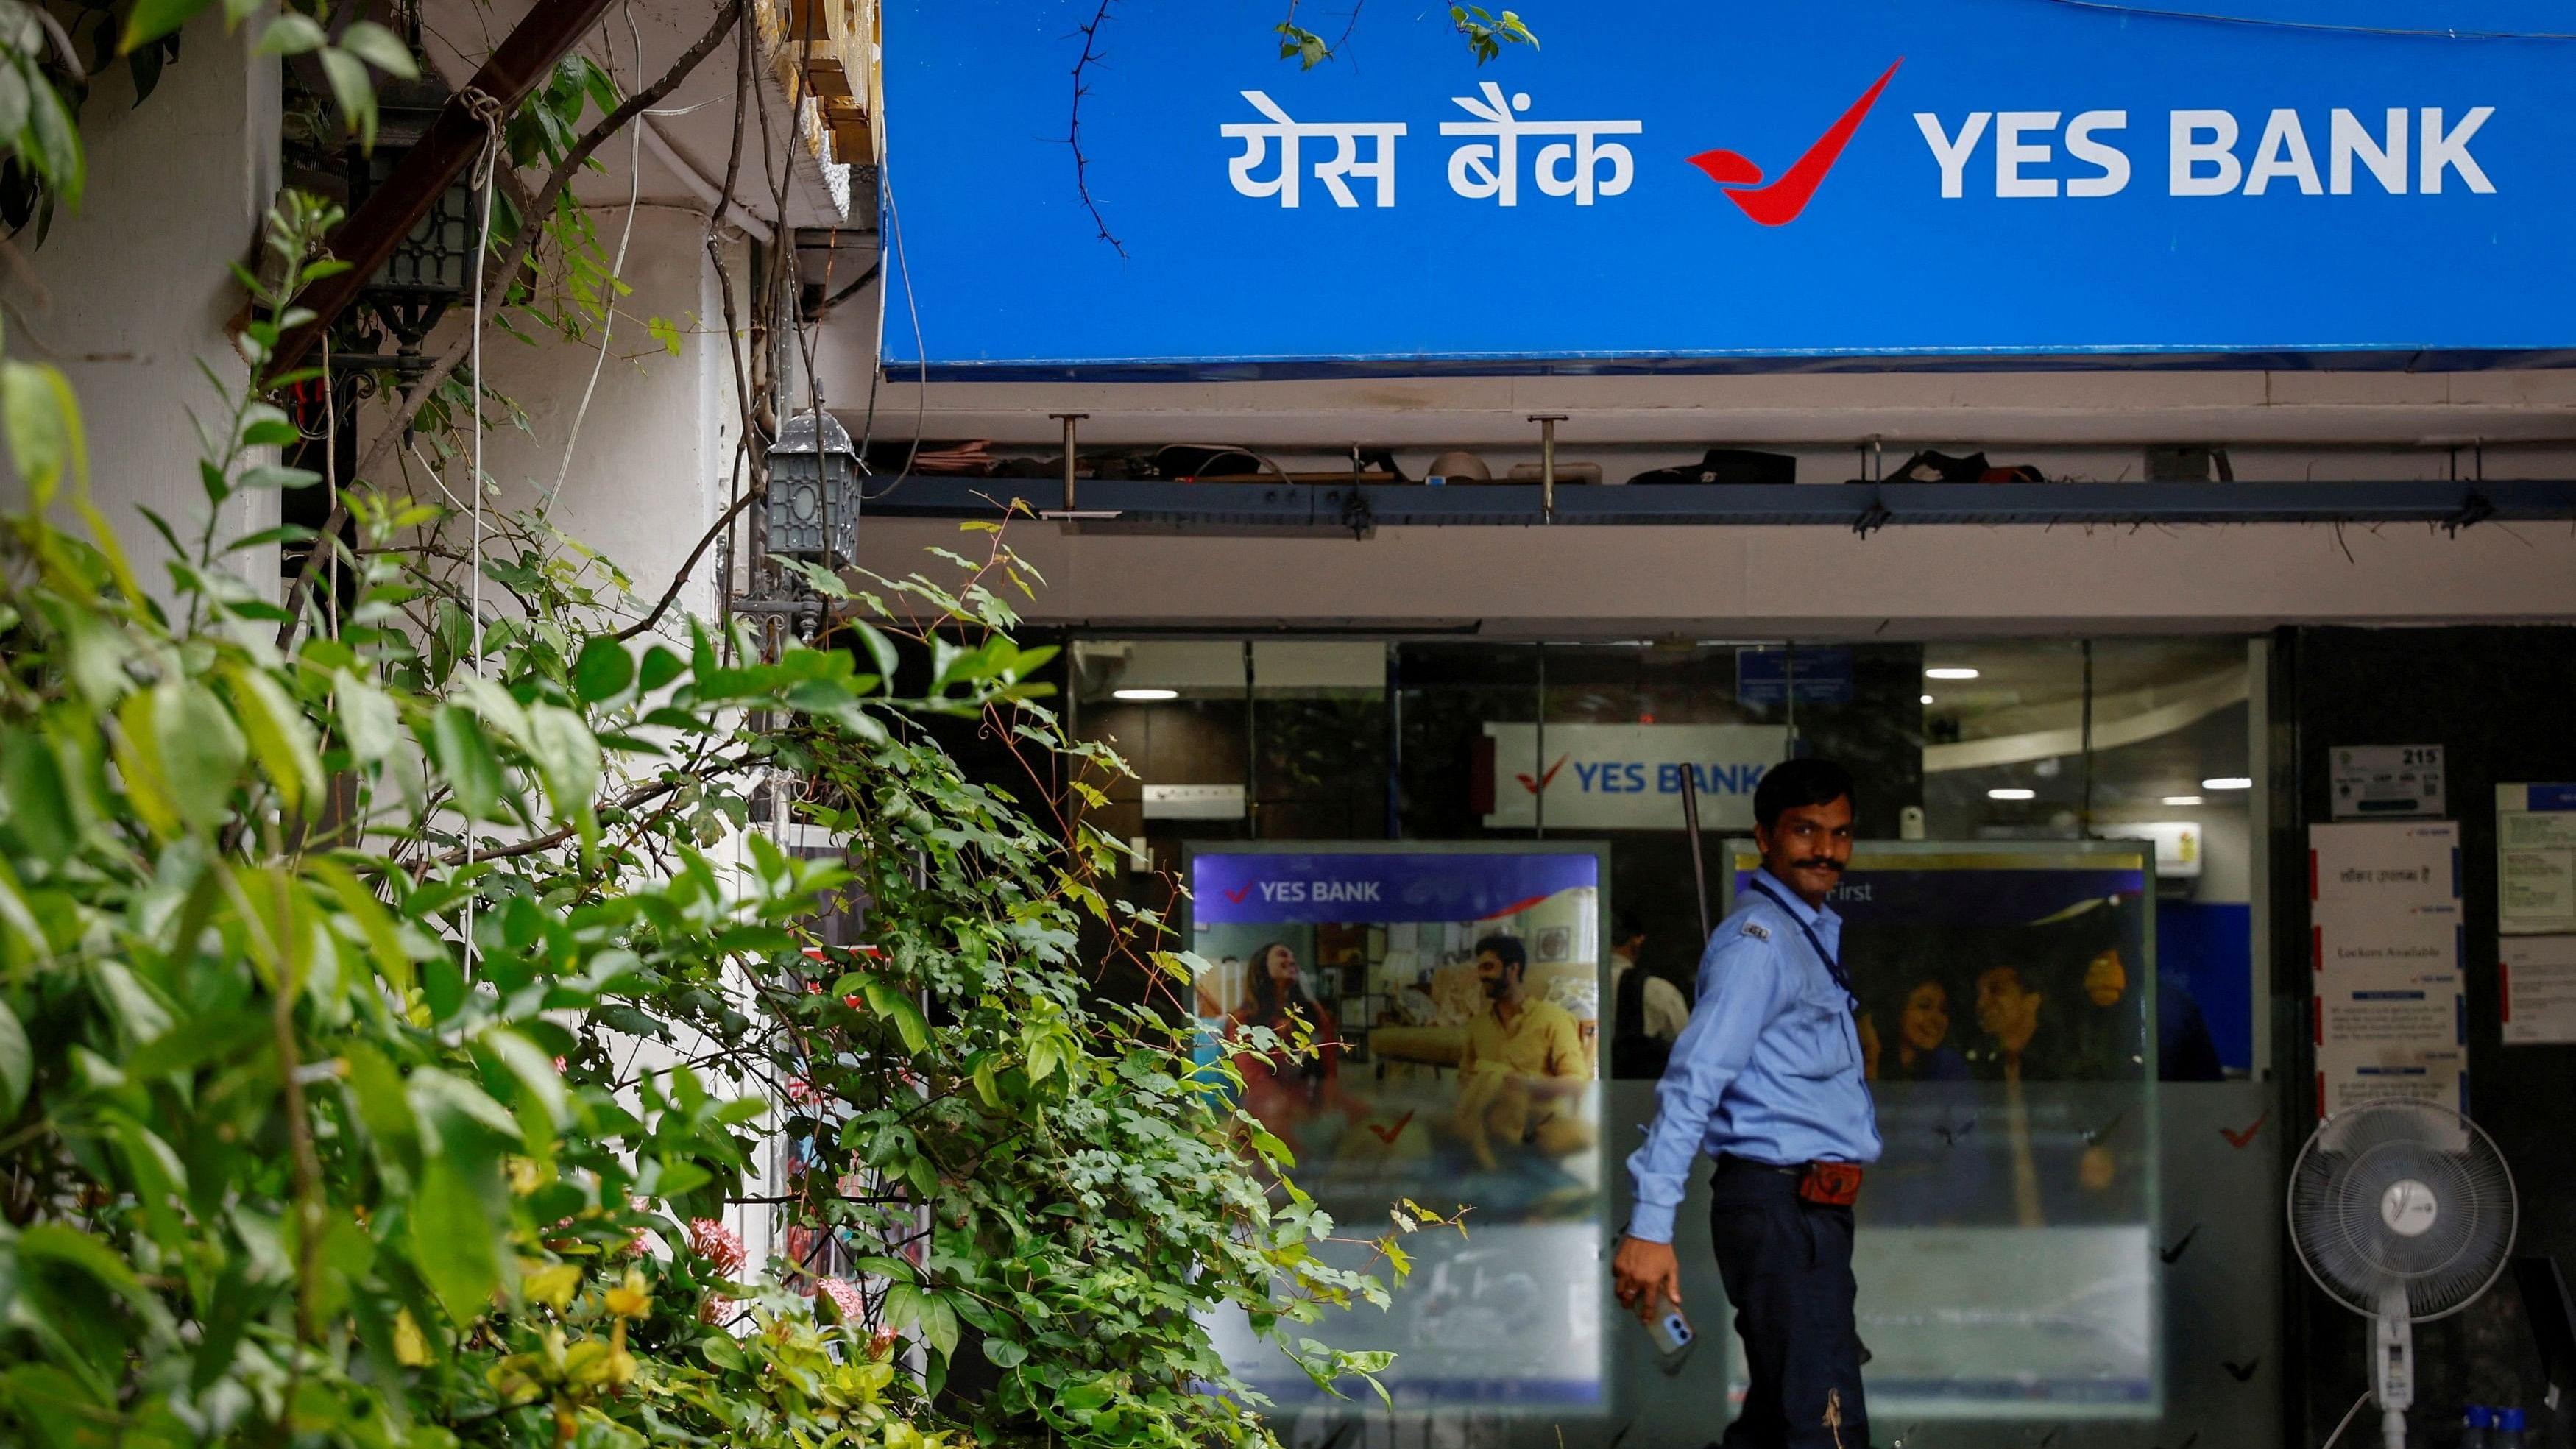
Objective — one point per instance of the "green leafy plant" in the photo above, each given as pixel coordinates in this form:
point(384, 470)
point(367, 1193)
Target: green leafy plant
point(390, 1020)
point(1487, 34)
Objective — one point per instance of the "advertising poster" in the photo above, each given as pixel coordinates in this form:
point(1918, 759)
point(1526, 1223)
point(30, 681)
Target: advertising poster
point(2011, 1026)
point(2538, 981)
point(1456, 993)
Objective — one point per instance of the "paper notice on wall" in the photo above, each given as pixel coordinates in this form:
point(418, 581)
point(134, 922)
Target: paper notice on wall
point(2364, 947)
point(2536, 859)
point(2390, 1019)
point(2351, 1075)
point(2384, 865)
point(2538, 983)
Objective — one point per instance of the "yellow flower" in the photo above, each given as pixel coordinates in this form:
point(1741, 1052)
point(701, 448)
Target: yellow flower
point(629, 1300)
point(552, 1284)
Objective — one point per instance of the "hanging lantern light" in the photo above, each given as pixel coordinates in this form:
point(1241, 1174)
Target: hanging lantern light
point(433, 267)
point(813, 498)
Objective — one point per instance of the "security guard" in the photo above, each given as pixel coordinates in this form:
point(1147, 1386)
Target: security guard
point(1767, 1080)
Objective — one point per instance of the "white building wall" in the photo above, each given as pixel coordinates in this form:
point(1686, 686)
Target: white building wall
point(132, 292)
point(652, 467)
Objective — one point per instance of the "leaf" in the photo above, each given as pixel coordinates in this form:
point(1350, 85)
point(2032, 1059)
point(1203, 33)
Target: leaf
point(661, 666)
point(888, 1002)
point(661, 330)
point(368, 719)
point(13, 101)
point(535, 1071)
point(44, 425)
point(380, 48)
point(37, 798)
point(567, 756)
point(603, 671)
point(880, 648)
point(153, 19)
point(279, 736)
point(201, 751)
point(265, 425)
point(1004, 1354)
point(451, 1241)
point(355, 92)
point(57, 143)
point(465, 757)
point(375, 923)
point(291, 33)
point(17, 1064)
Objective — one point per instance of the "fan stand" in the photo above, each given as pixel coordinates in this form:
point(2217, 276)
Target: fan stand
point(2392, 1367)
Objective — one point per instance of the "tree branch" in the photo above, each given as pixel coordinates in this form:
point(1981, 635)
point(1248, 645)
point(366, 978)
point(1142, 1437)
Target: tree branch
point(1073, 127)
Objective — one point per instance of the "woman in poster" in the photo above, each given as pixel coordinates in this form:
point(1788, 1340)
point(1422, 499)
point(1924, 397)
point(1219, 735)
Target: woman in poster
point(1933, 1168)
point(1284, 1088)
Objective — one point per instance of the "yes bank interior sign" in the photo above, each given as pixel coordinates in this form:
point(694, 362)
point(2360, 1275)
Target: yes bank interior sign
point(1665, 182)
point(1626, 776)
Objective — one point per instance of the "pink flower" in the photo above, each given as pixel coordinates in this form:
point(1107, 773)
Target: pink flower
point(715, 1310)
point(721, 1246)
point(847, 1304)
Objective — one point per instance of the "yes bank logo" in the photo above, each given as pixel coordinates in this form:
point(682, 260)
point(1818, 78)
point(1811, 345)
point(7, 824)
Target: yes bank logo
point(2054, 154)
point(1301, 892)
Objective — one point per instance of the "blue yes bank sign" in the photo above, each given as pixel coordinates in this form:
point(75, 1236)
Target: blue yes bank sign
point(1674, 184)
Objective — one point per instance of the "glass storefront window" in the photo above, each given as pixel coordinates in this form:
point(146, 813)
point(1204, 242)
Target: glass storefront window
point(1994, 751)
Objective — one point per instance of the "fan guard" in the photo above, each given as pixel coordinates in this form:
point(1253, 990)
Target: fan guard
point(2401, 1197)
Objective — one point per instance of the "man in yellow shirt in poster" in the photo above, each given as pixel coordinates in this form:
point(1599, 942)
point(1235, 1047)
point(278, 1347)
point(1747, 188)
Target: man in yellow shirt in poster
point(1523, 1067)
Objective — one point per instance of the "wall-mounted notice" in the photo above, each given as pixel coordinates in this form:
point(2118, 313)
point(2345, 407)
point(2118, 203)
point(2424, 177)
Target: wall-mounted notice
point(2390, 1020)
point(2538, 980)
point(2373, 782)
point(2536, 859)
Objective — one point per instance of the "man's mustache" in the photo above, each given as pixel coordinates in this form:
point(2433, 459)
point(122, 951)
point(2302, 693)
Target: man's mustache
point(1819, 863)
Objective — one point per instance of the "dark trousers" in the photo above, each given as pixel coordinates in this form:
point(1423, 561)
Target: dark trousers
point(1787, 1268)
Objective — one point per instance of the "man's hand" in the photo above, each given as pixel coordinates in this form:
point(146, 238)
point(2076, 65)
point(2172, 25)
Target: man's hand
point(1646, 1274)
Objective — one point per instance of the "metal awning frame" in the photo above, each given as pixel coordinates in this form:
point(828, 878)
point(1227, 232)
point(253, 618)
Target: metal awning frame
point(1118, 505)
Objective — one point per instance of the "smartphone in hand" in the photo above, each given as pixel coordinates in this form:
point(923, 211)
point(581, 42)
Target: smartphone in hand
point(1673, 1339)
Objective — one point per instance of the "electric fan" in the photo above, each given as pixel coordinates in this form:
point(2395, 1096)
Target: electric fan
point(2404, 1212)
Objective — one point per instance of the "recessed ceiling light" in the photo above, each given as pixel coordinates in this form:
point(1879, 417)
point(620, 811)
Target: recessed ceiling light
point(1950, 671)
point(2012, 794)
point(1927, 699)
point(2228, 782)
point(2182, 799)
point(1143, 696)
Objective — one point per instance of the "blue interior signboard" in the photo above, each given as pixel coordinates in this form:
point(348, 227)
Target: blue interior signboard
point(1666, 184)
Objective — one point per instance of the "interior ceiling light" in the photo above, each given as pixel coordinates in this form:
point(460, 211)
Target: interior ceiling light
point(1950, 671)
point(2012, 793)
point(1927, 699)
point(2182, 799)
point(2228, 782)
point(1144, 696)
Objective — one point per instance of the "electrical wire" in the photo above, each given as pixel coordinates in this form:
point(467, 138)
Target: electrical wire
point(490, 109)
point(616, 274)
point(2326, 27)
point(912, 304)
point(2346, 1421)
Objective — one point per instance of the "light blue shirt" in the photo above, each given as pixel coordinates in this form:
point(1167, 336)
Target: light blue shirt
point(1769, 1067)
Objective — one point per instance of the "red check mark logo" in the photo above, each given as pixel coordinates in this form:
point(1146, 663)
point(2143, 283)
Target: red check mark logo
point(1541, 783)
point(1237, 894)
point(1779, 203)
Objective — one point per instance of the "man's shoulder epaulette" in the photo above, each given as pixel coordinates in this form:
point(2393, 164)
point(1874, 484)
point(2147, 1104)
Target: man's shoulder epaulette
point(1757, 930)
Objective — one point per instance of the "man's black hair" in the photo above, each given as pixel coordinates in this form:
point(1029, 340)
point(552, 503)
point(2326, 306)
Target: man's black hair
point(1626, 926)
point(1506, 949)
point(1793, 783)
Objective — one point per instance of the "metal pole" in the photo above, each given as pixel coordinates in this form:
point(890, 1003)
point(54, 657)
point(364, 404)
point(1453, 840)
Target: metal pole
point(1538, 747)
point(1547, 462)
point(1699, 866)
point(2084, 820)
point(1069, 419)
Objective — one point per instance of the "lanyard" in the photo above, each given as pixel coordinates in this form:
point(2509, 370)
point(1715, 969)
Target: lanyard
point(1831, 964)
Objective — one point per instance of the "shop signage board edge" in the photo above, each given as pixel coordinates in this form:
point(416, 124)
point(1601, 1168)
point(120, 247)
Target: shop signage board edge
point(1849, 178)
